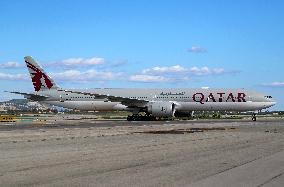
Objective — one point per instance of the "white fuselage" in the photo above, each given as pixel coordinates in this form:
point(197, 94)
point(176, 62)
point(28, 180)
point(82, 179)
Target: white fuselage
point(184, 99)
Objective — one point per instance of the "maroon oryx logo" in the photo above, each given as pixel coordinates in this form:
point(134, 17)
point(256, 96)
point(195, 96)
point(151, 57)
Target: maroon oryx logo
point(37, 76)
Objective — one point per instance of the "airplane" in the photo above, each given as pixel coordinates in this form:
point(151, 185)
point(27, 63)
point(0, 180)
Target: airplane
point(155, 103)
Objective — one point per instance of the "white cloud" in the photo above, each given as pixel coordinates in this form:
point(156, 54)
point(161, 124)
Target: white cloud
point(275, 84)
point(83, 61)
point(206, 71)
point(158, 74)
point(147, 78)
point(197, 49)
point(10, 64)
point(177, 69)
point(70, 74)
point(89, 75)
point(175, 73)
point(119, 63)
point(170, 69)
point(7, 76)
point(205, 87)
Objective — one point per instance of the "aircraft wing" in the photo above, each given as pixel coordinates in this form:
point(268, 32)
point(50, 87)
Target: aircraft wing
point(130, 102)
point(31, 96)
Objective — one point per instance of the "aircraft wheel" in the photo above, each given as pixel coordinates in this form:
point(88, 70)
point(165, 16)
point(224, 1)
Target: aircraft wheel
point(130, 118)
point(253, 117)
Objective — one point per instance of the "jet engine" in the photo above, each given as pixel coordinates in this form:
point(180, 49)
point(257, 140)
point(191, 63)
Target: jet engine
point(162, 109)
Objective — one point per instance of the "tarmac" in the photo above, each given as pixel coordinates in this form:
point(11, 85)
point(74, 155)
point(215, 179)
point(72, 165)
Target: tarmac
point(86, 152)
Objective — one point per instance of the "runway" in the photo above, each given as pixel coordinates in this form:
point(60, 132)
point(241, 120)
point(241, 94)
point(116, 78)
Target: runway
point(119, 153)
point(266, 171)
point(81, 121)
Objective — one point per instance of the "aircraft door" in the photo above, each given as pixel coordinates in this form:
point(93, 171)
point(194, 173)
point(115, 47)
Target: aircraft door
point(61, 99)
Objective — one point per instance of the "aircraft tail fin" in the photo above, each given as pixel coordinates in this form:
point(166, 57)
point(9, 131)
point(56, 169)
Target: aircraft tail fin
point(40, 79)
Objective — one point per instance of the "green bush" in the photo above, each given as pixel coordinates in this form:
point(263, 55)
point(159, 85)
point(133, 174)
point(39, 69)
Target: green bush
point(216, 115)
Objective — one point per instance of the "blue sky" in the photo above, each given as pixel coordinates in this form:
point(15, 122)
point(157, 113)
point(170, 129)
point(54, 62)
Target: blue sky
point(111, 43)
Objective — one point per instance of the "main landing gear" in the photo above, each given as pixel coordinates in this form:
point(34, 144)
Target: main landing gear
point(253, 118)
point(137, 117)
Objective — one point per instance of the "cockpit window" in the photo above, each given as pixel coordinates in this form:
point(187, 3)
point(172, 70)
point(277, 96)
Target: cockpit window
point(269, 97)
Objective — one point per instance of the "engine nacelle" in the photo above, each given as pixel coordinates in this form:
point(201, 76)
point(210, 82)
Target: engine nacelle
point(162, 109)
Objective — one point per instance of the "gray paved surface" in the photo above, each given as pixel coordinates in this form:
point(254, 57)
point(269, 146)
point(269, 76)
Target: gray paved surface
point(245, 153)
point(266, 171)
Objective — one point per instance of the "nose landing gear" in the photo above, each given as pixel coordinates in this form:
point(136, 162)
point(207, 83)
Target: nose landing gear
point(253, 118)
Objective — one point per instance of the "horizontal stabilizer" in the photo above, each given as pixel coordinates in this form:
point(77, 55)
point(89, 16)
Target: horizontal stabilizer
point(34, 97)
